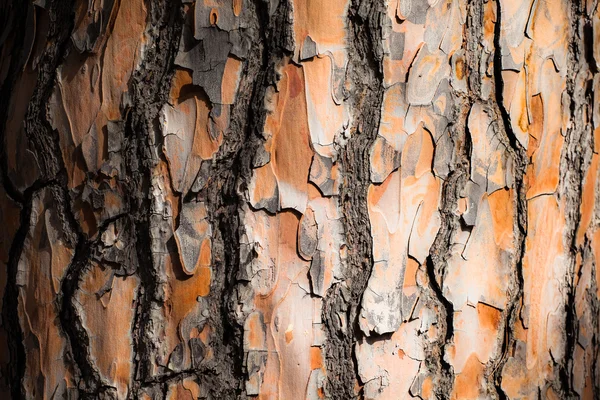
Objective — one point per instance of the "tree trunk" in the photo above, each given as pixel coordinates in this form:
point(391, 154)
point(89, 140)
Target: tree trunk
point(300, 199)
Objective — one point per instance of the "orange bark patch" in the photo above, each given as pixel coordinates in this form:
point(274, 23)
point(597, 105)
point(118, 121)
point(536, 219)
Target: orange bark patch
point(182, 78)
point(237, 7)
point(316, 358)
point(489, 317)
point(291, 152)
point(467, 383)
point(410, 277)
point(460, 68)
point(203, 280)
point(501, 207)
point(425, 154)
point(231, 77)
point(427, 388)
point(289, 334)
point(255, 334)
point(121, 56)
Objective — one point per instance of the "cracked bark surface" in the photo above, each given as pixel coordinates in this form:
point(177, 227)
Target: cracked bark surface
point(300, 199)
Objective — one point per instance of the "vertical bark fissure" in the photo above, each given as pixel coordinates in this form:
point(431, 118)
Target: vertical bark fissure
point(91, 384)
point(149, 88)
point(232, 169)
point(6, 92)
point(519, 158)
point(45, 143)
point(593, 307)
point(436, 263)
point(10, 318)
point(575, 160)
point(273, 44)
point(365, 72)
point(453, 188)
point(10, 305)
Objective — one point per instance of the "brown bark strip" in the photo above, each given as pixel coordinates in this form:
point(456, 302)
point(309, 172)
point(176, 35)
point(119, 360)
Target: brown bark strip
point(342, 302)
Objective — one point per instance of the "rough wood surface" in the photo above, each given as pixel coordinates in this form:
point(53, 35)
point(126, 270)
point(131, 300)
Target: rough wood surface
point(300, 199)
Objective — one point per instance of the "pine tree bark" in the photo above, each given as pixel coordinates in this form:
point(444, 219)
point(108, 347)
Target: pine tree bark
point(299, 199)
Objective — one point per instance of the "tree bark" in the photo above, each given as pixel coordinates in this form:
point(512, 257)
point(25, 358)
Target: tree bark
point(300, 199)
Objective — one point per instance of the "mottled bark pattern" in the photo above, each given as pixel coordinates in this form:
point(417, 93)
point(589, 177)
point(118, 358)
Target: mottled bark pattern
point(300, 199)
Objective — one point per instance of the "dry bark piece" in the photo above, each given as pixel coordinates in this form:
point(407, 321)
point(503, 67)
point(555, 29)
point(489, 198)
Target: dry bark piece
point(307, 235)
point(309, 49)
point(323, 173)
point(413, 10)
point(193, 236)
point(428, 70)
point(384, 160)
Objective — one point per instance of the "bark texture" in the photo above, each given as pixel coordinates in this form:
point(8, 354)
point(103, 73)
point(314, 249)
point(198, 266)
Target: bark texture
point(299, 199)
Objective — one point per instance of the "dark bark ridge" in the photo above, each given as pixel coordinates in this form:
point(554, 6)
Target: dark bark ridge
point(576, 157)
point(342, 301)
point(10, 318)
point(273, 45)
point(520, 161)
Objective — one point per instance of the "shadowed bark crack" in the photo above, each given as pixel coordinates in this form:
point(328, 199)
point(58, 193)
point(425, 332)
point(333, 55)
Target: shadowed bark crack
point(91, 384)
point(10, 304)
point(272, 44)
point(45, 143)
point(520, 161)
point(342, 301)
point(436, 263)
point(149, 88)
point(575, 159)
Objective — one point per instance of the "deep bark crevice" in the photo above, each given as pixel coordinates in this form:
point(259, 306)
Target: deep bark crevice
point(10, 316)
point(342, 300)
point(520, 160)
point(575, 159)
point(10, 305)
point(273, 45)
point(436, 262)
point(91, 384)
point(149, 88)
